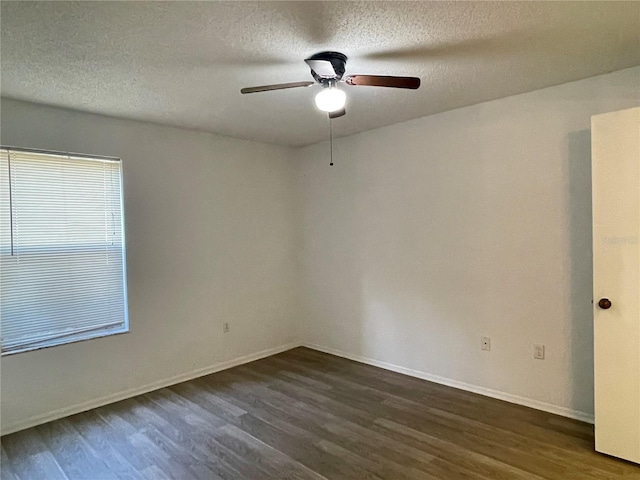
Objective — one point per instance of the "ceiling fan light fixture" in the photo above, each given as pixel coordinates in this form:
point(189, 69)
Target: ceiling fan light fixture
point(331, 99)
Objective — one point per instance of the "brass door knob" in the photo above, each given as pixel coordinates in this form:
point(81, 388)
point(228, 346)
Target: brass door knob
point(604, 303)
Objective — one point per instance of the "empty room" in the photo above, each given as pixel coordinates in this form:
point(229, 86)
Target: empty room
point(320, 240)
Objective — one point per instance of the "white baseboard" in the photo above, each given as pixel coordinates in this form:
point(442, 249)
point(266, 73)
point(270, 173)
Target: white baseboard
point(527, 402)
point(132, 392)
point(107, 399)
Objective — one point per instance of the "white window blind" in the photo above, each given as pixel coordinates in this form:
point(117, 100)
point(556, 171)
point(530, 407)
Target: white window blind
point(62, 257)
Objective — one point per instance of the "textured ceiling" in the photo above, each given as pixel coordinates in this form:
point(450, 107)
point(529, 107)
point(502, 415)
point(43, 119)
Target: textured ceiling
point(183, 63)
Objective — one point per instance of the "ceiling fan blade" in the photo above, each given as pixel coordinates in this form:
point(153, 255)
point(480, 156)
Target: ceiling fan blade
point(384, 81)
point(323, 68)
point(277, 86)
point(337, 113)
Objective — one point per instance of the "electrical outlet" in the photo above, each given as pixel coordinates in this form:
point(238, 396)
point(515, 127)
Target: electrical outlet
point(225, 327)
point(538, 352)
point(485, 343)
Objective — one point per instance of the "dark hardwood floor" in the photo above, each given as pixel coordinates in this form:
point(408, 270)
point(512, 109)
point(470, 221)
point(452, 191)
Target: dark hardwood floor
point(307, 415)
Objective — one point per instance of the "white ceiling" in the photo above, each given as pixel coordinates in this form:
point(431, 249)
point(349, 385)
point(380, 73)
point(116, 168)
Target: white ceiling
point(183, 63)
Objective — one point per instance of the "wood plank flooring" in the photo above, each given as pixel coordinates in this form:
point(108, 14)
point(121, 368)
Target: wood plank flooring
point(307, 415)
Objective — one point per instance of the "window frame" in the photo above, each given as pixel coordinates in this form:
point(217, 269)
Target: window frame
point(92, 333)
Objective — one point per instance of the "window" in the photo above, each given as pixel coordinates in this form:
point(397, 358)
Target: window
point(62, 255)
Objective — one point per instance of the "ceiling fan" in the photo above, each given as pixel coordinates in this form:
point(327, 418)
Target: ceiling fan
point(327, 69)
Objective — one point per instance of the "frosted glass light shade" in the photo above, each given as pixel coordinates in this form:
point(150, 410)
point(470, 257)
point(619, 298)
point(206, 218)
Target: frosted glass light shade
point(330, 99)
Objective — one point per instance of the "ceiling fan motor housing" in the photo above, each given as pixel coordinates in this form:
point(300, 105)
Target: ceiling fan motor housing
point(338, 61)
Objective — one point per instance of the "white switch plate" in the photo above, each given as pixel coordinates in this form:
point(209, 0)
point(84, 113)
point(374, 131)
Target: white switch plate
point(485, 343)
point(538, 352)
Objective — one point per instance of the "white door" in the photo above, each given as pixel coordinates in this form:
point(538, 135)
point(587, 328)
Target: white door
point(615, 145)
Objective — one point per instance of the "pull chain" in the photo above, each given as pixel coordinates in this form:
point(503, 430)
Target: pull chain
point(330, 142)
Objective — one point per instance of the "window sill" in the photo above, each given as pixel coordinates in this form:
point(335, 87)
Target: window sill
point(67, 340)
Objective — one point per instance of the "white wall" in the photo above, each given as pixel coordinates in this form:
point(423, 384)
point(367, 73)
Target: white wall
point(428, 234)
point(423, 237)
point(210, 226)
